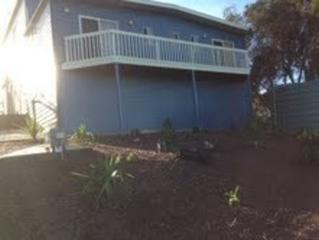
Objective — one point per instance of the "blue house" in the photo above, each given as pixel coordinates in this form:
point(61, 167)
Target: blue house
point(121, 65)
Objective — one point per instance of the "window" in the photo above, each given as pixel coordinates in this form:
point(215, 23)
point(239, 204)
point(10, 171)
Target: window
point(223, 43)
point(194, 38)
point(176, 36)
point(147, 31)
point(93, 24)
point(89, 25)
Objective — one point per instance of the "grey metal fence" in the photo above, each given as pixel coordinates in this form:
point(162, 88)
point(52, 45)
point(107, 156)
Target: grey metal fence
point(297, 106)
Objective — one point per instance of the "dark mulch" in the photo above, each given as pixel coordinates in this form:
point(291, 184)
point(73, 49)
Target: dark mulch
point(171, 198)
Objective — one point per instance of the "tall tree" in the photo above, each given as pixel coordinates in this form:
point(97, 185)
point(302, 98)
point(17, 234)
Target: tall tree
point(284, 43)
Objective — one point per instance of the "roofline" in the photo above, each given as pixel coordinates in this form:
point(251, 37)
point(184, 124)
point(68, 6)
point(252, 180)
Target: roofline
point(30, 23)
point(189, 11)
point(36, 15)
point(12, 19)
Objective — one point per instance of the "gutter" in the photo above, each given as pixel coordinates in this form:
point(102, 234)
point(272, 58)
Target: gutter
point(12, 19)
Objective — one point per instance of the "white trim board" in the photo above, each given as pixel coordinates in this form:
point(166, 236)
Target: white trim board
point(154, 63)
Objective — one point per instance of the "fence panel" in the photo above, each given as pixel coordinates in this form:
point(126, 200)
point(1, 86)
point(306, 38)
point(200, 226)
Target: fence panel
point(297, 106)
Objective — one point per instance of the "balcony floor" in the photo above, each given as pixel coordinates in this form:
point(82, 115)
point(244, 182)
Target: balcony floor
point(153, 63)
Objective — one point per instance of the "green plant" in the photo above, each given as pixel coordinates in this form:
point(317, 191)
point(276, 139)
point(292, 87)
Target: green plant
point(32, 128)
point(168, 135)
point(82, 134)
point(310, 144)
point(196, 130)
point(101, 182)
point(233, 197)
point(131, 157)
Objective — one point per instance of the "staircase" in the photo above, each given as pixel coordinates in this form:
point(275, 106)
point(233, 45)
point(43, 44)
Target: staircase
point(45, 113)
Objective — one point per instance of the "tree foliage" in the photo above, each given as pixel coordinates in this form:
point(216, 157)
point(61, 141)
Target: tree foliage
point(231, 14)
point(283, 41)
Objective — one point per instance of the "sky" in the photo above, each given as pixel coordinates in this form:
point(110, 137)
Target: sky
point(212, 7)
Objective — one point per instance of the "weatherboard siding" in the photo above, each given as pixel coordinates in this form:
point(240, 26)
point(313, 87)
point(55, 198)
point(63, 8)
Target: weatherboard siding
point(297, 106)
point(149, 96)
point(65, 19)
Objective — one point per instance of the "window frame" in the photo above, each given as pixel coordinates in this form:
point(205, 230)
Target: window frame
point(194, 38)
point(148, 31)
point(223, 42)
point(99, 20)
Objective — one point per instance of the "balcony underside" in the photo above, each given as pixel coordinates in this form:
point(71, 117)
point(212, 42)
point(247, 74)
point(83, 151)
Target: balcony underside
point(153, 63)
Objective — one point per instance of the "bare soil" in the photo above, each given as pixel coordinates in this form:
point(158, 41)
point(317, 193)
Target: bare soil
point(171, 198)
point(11, 146)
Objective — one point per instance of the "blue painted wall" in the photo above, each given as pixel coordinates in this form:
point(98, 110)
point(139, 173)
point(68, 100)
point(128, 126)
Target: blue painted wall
point(66, 23)
point(224, 101)
point(149, 95)
point(89, 96)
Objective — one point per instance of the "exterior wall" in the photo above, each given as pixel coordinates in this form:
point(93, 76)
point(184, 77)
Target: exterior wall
point(297, 106)
point(66, 22)
point(149, 97)
point(89, 96)
point(30, 68)
point(224, 101)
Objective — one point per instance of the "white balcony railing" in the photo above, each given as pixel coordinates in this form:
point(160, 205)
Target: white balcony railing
point(114, 46)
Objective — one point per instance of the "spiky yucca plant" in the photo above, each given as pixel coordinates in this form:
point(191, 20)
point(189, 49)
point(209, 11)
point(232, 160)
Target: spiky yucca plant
point(32, 128)
point(101, 182)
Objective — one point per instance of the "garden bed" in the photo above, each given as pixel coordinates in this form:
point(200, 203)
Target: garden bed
point(170, 198)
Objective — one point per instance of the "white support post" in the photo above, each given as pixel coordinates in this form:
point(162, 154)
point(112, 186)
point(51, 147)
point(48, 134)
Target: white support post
point(195, 93)
point(119, 95)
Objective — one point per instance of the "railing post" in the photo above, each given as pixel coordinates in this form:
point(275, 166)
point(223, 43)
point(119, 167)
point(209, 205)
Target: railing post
point(192, 54)
point(158, 50)
point(82, 48)
point(67, 57)
point(113, 44)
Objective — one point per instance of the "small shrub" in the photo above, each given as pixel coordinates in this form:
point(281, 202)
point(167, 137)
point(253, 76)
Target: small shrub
point(101, 182)
point(131, 157)
point(135, 133)
point(310, 145)
point(82, 135)
point(32, 128)
point(196, 130)
point(256, 127)
point(233, 197)
point(168, 136)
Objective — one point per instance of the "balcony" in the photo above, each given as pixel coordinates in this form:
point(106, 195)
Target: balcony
point(114, 46)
